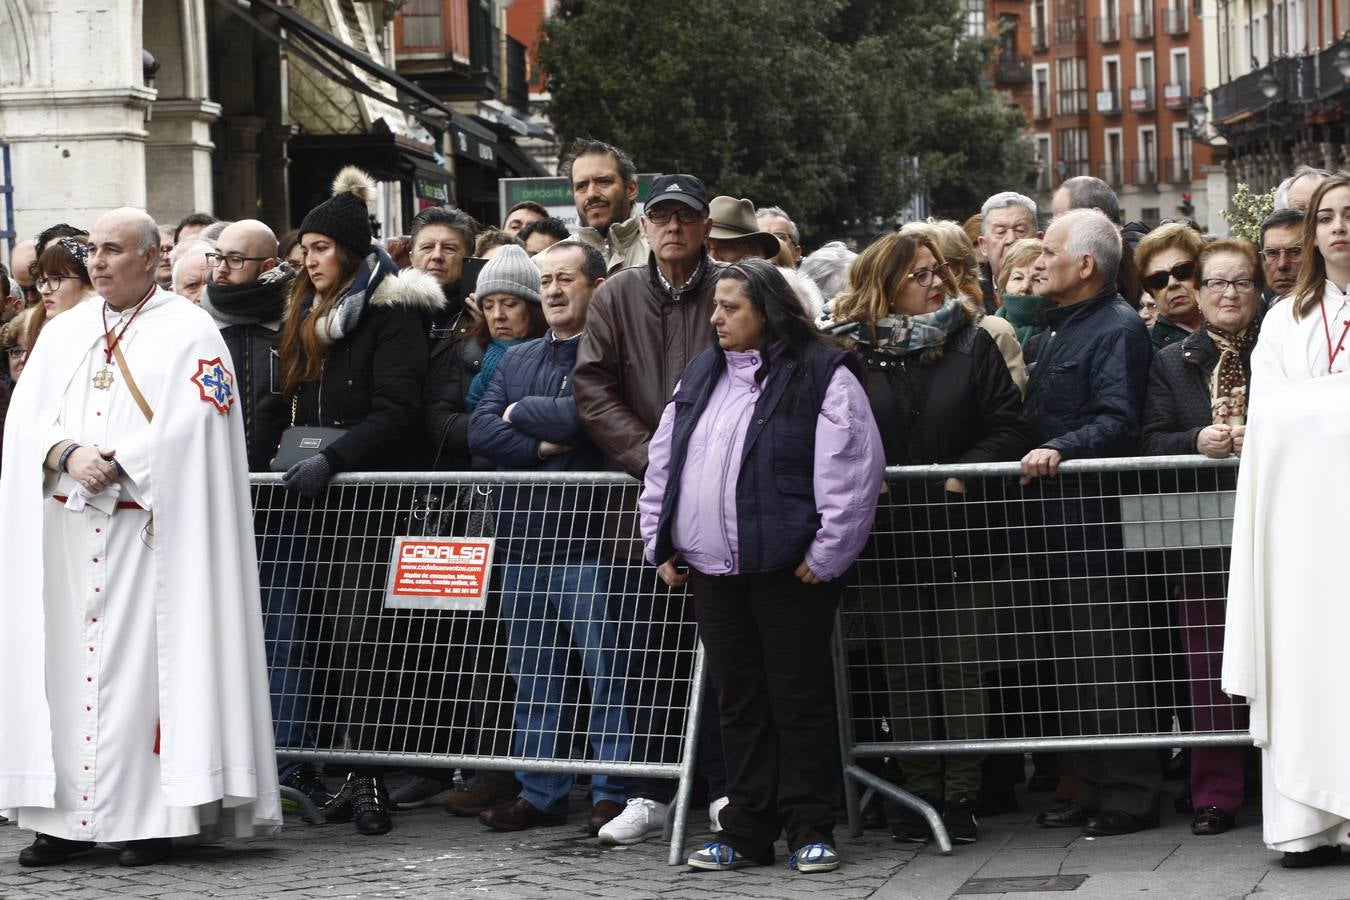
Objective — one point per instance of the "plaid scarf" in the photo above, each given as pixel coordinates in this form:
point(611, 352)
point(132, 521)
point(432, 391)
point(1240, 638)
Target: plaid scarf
point(1228, 382)
point(903, 335)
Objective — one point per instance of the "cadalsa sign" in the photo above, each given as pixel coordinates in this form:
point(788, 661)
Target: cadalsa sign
point(439, 573)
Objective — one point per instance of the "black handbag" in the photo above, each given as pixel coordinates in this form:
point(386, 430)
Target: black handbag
point(300, 442)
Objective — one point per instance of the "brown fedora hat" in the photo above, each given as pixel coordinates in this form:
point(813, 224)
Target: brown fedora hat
point(734, 220)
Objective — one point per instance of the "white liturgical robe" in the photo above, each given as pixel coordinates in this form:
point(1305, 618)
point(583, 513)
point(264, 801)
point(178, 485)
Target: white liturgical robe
point(1287, 619)
point(138, 613)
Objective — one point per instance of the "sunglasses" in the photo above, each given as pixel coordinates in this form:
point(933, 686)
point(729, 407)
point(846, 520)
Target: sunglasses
point(1156, 281)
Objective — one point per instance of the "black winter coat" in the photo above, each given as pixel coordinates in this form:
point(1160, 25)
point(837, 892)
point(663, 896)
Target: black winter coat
point(962, 407)
point(445, 400)
point(257, 375)
point(1178, 403)
point(539, 523)
point(372, 376)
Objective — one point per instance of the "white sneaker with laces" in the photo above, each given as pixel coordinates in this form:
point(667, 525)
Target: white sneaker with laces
point(715, 812)
point(639, 818)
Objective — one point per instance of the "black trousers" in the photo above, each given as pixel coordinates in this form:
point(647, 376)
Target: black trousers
point(767, 641)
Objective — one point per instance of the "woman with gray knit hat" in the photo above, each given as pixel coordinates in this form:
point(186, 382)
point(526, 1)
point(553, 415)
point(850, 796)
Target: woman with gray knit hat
point(353, 356)
point(508, 295)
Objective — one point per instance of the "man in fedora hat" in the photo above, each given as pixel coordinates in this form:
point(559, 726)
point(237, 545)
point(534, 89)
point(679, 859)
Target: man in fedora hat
point(735, 232)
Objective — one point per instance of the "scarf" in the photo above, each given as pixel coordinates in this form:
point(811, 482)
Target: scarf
point(903, 335)
point(1228, 381)
point(251, 303)
point(1022, 311)
point(491, 356)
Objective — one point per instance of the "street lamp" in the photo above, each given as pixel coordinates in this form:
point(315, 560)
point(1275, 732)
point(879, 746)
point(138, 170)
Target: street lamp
point(1268, 85)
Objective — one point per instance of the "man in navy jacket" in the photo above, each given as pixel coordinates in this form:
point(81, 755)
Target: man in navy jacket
point(1085, 400)
point(555, 587)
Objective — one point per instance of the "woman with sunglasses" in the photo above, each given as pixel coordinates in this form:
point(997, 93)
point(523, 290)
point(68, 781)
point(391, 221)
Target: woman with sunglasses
point(1284, 647)
point(1166, 259)
point(941, 393)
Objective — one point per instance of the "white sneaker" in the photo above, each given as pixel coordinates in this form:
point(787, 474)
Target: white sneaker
point(715, 812)
point(639, 818)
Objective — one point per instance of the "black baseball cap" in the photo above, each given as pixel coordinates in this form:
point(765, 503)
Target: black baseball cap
point(685, 188)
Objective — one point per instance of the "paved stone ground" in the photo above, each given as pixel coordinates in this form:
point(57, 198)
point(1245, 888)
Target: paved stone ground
point(432, 855)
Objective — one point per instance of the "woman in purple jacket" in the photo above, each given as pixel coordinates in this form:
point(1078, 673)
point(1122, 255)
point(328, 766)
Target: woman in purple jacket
point(763, 478)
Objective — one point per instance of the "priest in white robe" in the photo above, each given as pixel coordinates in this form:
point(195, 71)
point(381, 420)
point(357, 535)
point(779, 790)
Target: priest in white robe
point(1285, 638)
point(136, 707)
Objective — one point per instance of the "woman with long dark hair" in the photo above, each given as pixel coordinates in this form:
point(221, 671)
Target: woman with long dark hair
point(353, 354)
point(762, 478)
point(1286, 620)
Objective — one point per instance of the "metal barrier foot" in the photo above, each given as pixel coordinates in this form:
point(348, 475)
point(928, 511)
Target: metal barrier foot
point(308, 811)
point(906, 799)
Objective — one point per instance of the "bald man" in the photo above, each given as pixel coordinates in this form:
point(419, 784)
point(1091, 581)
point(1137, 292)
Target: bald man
point(22, 262)
point(244, 250)
point(128, 544)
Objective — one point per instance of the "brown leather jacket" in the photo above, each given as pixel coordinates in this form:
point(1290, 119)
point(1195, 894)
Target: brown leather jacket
point(639, 337)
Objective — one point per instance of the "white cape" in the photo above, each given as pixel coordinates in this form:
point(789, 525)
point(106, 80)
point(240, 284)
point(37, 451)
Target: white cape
point(1287, 611)
point(190, 469)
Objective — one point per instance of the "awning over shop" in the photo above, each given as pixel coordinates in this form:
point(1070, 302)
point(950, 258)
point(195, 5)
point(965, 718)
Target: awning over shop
point(316, 158)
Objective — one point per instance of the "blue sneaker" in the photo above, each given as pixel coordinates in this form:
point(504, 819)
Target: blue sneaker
point(814, 858)
point(718, 857)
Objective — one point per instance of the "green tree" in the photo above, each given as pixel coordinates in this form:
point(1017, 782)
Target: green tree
point(817, 107)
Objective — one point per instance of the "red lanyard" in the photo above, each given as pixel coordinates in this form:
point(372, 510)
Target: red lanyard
point(112, 344)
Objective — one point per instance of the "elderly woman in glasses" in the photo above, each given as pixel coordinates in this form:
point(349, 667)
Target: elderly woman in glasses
point(1197, 403)
point(1166, 258)
point(941, 393)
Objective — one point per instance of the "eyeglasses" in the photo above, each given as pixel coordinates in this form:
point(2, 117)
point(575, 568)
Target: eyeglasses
point(53, 281)
point(926, 277)
point(1219, 286)
point(16, 351)
point(1273, 254)
point(1156, 281)
point(685, 215)
point(232, 261)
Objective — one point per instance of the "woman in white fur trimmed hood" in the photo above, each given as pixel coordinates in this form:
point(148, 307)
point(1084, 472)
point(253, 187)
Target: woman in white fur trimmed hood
point(353, 355)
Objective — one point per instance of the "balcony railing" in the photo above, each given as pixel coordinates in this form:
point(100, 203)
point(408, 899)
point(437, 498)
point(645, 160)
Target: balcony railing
point(1071, 168)
point(1040, 108)
point(1176, 95)
point(1141, 26)
point(1141, 98)
point(426, 30)
point(1108, 29)
point(1012, 69)
point(1175, 20)
point(1295, 83)
point(1071, 102)
point(1112, 173)
point(1070, 30)
point(1177, 170)
point(1145, 172)
point(1108, 102)
point(1039, 40)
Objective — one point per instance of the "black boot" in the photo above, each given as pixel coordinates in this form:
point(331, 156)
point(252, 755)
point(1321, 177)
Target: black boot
point(47, 850)
point(370, 805)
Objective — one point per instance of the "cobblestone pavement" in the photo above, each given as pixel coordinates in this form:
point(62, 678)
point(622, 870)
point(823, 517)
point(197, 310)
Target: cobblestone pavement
point(430, 854)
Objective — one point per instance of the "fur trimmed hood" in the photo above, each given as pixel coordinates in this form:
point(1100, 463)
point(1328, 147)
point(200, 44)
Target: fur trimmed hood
point(378, 282)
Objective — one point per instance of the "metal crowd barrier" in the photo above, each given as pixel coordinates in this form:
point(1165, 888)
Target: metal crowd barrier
point(392, 652)
point(1083, 612)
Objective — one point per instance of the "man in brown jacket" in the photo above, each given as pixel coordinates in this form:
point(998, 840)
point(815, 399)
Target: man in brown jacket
point(644, 325)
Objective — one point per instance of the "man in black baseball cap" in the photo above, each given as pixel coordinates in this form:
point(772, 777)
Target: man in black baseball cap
point(644, 325)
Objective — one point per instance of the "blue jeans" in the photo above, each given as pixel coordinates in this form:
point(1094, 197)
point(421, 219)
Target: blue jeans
point(538, 602)
point(288, 668)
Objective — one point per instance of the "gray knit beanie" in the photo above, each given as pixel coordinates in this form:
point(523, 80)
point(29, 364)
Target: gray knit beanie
point(510, 271)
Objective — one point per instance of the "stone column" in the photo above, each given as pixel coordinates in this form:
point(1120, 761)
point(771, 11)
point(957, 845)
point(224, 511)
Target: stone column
point(179, 146)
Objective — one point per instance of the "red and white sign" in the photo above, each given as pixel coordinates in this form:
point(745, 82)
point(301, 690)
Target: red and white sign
point(439, 573)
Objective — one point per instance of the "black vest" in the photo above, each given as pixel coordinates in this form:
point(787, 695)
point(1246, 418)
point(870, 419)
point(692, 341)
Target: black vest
point(776, 511)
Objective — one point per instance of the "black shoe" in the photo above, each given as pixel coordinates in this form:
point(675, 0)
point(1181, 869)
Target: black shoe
point(1178, 768)
point(959, 818)
point(370, 805)
point(874, 814)
point(48, 850)
point(305, 779)
point(1211, 820)
point(996, 801)
point(145, 853)
point(912, 827)
point(1070, 815)
point(1182, 802)
point(1307, 859)
point(339, 809)
point(1042, 783)
point(1109, 822)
